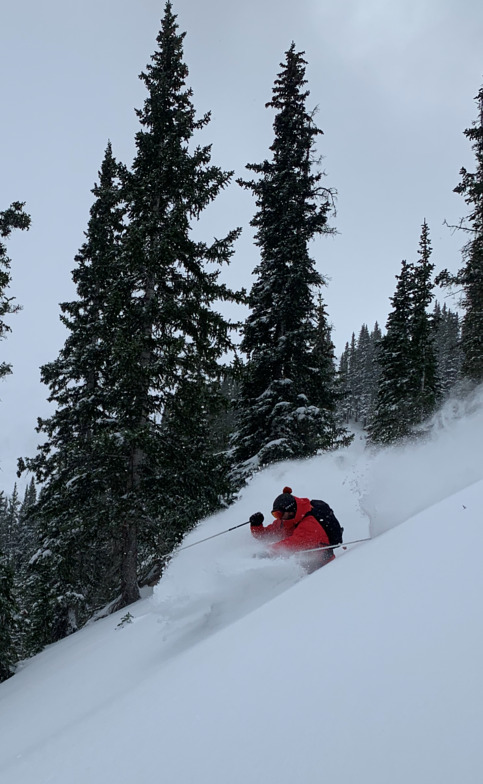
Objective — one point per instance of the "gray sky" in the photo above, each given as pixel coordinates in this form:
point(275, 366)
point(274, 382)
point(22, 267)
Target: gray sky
point(394, 81)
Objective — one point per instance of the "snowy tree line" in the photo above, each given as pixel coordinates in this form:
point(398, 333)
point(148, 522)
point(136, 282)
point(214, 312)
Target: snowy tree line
point(360, 370)
point(153, 427)
point(392, 383)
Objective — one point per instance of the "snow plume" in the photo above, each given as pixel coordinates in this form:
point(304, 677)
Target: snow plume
point(201, 594)
point(403, 480)
point(213, 584)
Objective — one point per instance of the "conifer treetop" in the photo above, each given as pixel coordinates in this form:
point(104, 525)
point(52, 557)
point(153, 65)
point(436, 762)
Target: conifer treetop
point(287, 397)
point(12, 218)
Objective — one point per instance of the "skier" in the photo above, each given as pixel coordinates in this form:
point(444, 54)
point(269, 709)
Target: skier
point(294, 529)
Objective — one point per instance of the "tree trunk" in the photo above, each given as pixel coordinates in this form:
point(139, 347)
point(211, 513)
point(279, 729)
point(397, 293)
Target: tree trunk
point(129, 556)
point(129, 582)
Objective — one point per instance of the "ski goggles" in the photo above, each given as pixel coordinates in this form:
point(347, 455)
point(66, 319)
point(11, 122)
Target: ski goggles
point(277, 513)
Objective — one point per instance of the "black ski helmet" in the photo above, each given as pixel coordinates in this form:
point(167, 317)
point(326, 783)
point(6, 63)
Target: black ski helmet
point(285, 502)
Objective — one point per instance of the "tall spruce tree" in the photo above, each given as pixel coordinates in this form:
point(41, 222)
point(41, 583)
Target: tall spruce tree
point(169, 347)
point(12, 218)
point(128, 464)
point(78, 464)
point(470, 277)
point(425, 380)
point(285, 407)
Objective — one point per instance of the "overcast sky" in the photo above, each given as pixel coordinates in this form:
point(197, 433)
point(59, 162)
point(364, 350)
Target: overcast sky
point(394, 83)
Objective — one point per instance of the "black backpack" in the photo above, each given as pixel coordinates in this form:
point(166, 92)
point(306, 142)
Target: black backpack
point(327, 519)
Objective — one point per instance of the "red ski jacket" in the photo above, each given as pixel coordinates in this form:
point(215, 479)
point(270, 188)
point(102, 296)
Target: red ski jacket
point(300, 533)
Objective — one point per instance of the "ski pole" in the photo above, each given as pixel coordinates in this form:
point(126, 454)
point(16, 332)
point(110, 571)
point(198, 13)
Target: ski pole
point(333, 546)
point(206, 539)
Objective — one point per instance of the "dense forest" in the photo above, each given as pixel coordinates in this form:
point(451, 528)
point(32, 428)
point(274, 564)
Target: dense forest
point(162, 407)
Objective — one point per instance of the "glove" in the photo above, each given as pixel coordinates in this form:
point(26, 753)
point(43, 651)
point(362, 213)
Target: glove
point(256, 519)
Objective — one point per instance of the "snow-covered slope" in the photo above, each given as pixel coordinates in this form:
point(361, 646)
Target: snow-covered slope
point(241, 669)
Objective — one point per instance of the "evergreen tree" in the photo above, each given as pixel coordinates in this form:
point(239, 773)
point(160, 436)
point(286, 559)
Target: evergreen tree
point(3, 521)
point(349, 381)
point(12, 528)
point(330, 393)
point(353, 379)
point(223, 421)
point(359, 371)
point(367, 372)
point(79, 462)
point(373, 382)
point(27, 545)
point(426, 388)
point(470, 277)
point(358, 374)
point(168, 351)
point(12, 218)
point(128, 464)
point(408, 387)
point(26, 522)
point(343, 373)
point(29, 499)
point(447, 337)
point(8, 655)
point(286, 408)
point(393, 409)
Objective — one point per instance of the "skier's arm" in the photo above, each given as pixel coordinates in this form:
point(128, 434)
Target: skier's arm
point(271, 532)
